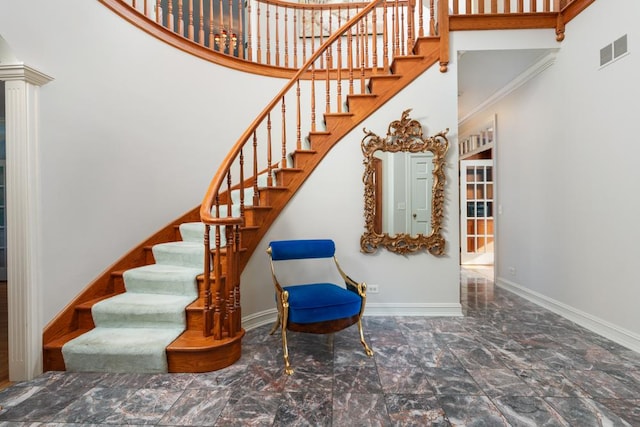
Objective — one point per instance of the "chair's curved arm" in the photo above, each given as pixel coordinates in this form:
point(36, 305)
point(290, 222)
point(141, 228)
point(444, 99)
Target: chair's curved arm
point(358, 287)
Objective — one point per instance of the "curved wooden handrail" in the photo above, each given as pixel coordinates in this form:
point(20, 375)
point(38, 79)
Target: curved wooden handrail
point(218, 179)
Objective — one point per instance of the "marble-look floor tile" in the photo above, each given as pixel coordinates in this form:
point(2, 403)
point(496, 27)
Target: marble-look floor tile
point(500, 382)
point(472, 410)
point(360, 409)
point(197, 407)
point(529, 411)
point(506, 362)
point(586, 412)
point(415, 410)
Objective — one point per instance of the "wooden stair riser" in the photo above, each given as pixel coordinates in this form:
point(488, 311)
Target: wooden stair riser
point(302, 157)
point(271, 195)
point(404, 64)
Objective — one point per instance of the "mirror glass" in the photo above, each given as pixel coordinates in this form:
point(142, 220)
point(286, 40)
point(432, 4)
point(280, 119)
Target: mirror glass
point(404, 188)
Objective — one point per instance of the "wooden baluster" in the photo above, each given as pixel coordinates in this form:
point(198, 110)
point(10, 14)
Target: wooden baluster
point(284, 134)
point(201, 28)
point(468, 8)
point(170, 23)
point(269, 142)
point(327, 94)
point(241, 32)
point(180, 19)
point(212, 39)
point(403, 44)
point(133, 4)
point(190, 32)
point(249, 33)
point(339, 68)
point(321, 40)
point(286, 38)
point(421, 20)
point(206, 312)
point(432, 19)
point(304, 36)
point(365, 36)
point(269, 164)
point(507, 6)
point(481, 7)
point(313, 97)
point(350, 56)
point(520, 6)
point(229, 321)
point(298, 130)
point(396, 28)
point(158, 12)
point(268, 37)
point(221, 29)
point(277, 37)
point(295, 39)
point(217, 303)
point(533, 6)
point(236, 269)
point(313, 31)
point(410, 26)
point(241, 189)
point(256, 193)
point(374, 40)
point(258, 35)
point(547, 5)
point(330, 48)
point(494, 6)
point(232, 39)
point(385, 38)
point(362, 57)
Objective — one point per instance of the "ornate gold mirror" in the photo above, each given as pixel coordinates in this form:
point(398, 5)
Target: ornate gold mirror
point(404, 189)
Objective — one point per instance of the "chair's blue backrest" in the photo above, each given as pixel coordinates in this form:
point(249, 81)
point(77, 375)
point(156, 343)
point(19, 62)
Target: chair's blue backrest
point(302, 249)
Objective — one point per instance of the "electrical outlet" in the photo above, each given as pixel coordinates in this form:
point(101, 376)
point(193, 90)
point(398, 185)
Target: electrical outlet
point(373, 289)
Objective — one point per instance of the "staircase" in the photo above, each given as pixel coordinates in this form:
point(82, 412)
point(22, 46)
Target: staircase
point(230, 223)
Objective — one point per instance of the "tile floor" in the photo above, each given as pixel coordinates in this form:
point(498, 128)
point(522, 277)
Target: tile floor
point(507, 362)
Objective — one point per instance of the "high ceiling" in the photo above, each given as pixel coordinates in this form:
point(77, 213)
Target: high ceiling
point(483, 73)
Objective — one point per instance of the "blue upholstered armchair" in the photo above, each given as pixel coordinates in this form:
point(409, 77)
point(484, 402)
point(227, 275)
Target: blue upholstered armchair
point(318, 308)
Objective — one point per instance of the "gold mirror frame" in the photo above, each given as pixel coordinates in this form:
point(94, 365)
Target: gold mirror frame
point(404, 135)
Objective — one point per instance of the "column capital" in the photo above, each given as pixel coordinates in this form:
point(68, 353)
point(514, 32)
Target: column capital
point(23, 72)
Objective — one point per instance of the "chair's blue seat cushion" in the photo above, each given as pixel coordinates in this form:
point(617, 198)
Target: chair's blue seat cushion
point(319, 302)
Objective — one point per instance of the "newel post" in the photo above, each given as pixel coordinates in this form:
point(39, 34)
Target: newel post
point(443, 32)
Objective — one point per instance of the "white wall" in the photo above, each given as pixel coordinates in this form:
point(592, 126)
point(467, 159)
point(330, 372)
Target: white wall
point(131, 132)
point(567, 178)
point(331, 205)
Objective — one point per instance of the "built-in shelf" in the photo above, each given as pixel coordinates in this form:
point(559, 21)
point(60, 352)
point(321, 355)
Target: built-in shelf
point(481, 140)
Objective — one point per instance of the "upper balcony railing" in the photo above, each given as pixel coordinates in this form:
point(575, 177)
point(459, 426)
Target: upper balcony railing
point(279, 36)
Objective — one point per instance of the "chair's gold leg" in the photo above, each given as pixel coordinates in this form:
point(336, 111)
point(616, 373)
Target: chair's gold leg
point(285, 314)
point(367, 350)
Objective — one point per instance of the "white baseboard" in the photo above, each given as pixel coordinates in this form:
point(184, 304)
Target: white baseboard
point(268, 317)
point(413, 309)
point(594, 324)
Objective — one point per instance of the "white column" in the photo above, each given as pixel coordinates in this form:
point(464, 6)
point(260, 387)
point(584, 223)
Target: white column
point(23, 220)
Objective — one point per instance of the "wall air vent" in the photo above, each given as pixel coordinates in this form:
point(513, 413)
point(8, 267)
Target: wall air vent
point(613, 51)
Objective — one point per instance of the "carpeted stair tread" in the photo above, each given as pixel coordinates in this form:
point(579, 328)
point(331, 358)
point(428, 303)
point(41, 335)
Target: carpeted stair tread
point(136, 310)
point(162, 279)
point(184, 254)
point(194, 232)
point(139, 350)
